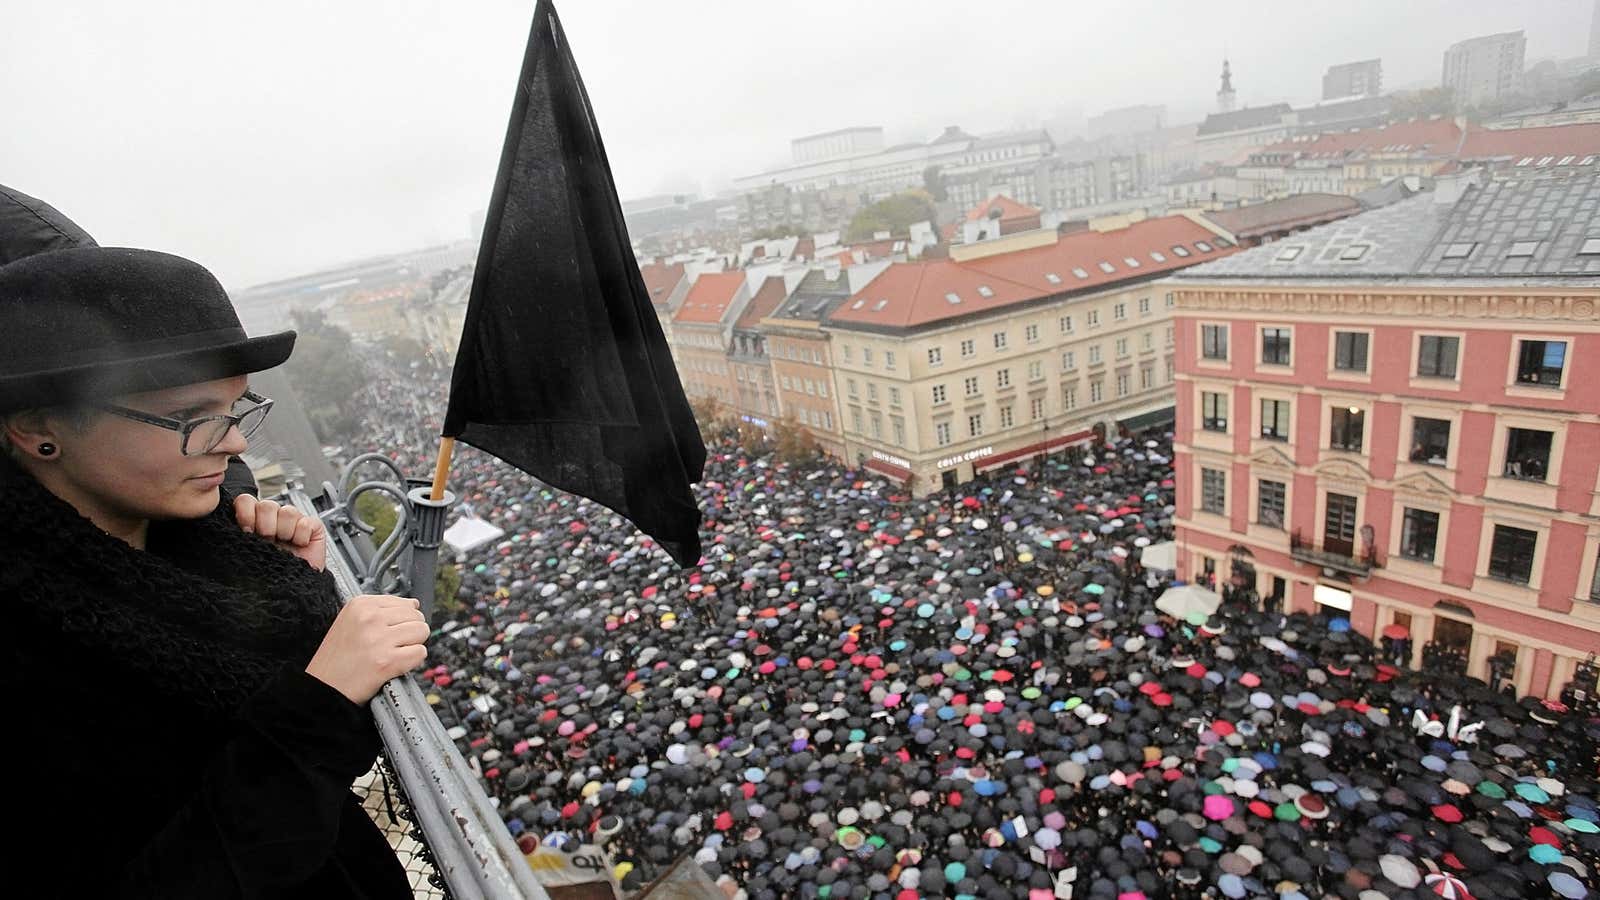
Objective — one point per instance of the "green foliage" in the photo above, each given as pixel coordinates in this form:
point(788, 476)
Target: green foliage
point(377, 511)
point(1438, 101)
point(933, 183)
point(894, 214)
point(792, 443)
point(327, 375)
point(773, 233)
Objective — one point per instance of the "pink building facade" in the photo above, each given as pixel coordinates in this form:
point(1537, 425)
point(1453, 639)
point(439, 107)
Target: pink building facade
point(1397, 417)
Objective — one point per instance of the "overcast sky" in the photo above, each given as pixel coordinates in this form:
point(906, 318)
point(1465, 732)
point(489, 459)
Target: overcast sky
point(268, 139)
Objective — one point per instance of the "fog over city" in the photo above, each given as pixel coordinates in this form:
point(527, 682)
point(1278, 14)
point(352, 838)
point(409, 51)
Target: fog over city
point(270, 140)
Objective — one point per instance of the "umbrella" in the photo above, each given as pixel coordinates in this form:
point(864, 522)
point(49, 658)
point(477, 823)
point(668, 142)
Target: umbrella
point(1183, 600)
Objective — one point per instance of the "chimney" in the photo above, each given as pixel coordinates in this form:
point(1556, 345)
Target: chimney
point(1447, 189)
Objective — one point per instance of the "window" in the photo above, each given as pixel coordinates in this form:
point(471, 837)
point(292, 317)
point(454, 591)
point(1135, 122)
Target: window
point(822, 389)
point(1094, 354)
point(1527, 453)
point(1591, 247)
point(1144, 306)
point(938, 394)
point(827, 420)
point(1541, 362)
point(872, 392)
point(1214, 341)
point(1353, 253)
point(1122, 347)
point(1031, 334)
point(1269, 503)
point(1081, 273)
point(1169, 335)
point(851, 388)
point(811, 388)
point(877, 426)
point(1066, 324)
point(1035, 370)
point(1213, 411)
point(1005, 417)
point(968, 348)
point(1460, 250)
point(1179, 250)
point(1002, 378)
point(1036, 409)
point(1069, 398)
point(1213, 491)
point(855, 420)
point(899, 426)
point(1348, 424)
point(1350, 351)
point(866, 356)
point(1511, 553)
point(1147, 375)
point(1107, 268)
point(1096, 391)
point(1146, 341)
point(975, 424)
point(1169, 370)
point(1430, 441)
point(894, 396)
point(941, 433)
point(985, 291)
point(1289, 254)
point(935, 356)
point(888, 359)
point(1202, 246)
point(1119, 312)
point(847, 352)
point(1594, 583)
point(999, 340)
point(1122, 384)
point(1275, 420)
point(1158, 256)
point(971, 384)
point(1523, 248)
point(1275, 346)
point(1419, 533)
point(786, 383)
point(1436, 356)
point(1169, 299)
point(1069, 361)
point(1094, 318)
point(1052, 277)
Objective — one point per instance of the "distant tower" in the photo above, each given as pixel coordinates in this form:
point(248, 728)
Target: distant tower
point(1225, 95)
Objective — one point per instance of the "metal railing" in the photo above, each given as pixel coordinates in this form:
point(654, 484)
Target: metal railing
point(1303, 551)
point(472, 852)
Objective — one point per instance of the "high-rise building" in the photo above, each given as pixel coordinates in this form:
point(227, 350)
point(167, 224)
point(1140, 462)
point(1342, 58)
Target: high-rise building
point(1483, 69)
point(1594, 32)
point(1353, 79)
point(1391, 416)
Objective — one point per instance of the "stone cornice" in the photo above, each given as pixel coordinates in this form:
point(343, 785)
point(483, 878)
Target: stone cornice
point(1571, 304)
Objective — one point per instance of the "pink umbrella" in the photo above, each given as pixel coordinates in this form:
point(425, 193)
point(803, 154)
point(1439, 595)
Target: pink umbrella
point(1447, 885)
point(1218, 807)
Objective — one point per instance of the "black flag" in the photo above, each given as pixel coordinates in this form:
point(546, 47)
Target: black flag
point(563, 370)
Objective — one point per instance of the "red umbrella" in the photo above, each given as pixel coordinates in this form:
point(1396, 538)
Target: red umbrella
point(1445, 812)
point(1396, 632)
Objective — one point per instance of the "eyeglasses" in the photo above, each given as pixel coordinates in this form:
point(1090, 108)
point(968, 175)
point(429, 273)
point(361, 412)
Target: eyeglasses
point(204, 434)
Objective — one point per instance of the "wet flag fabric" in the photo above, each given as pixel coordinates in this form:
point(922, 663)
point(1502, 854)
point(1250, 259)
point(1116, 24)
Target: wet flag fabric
point(563, 370)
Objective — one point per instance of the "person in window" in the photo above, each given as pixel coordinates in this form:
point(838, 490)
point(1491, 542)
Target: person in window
point(180, 651)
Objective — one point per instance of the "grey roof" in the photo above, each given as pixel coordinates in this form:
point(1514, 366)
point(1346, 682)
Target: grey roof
point(815, 297)
point(1240, 119)
point(1343, 111)
point(1423, 238)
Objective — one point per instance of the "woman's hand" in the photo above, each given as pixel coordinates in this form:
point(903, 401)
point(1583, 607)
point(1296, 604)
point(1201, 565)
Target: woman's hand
point(376, 637)
point(294, 531)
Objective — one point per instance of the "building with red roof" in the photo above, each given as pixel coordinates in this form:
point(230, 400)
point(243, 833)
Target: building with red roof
point(667, 284)
point(1012, 348)
point(755, 396)
point(702, 333)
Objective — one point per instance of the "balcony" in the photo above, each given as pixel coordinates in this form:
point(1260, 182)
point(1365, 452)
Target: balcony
point(1304, 551)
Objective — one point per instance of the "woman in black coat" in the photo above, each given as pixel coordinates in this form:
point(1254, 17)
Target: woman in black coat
point(189, 700)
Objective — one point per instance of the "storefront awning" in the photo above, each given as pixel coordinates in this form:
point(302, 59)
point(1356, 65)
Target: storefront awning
point(1164, 416)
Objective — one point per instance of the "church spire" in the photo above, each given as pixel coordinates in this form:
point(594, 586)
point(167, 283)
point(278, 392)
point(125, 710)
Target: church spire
point(1225, 95)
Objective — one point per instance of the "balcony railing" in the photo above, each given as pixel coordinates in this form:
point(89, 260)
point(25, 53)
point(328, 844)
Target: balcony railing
point(1304, 551)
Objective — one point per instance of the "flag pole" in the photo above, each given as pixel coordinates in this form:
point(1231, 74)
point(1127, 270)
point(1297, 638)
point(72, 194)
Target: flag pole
point(442, 469)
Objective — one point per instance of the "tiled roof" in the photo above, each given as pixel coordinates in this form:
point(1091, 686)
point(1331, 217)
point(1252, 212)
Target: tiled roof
point(1520, 223)
point(660, 279)
point(912, 295)
point(1285, 212)
point(766, 299)
point(1554, 142)
point(1240, 119)
point(1420, 137)
point(709, 298)
point(1009, 209)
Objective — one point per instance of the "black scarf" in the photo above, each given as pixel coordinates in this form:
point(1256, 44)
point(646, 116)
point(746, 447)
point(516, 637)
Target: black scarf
point(205, 614)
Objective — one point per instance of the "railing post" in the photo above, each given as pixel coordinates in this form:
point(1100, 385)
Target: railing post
point(427, 532)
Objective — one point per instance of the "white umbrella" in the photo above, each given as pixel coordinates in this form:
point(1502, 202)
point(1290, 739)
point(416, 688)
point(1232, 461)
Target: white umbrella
point(1182, 600)
point(1162, 556)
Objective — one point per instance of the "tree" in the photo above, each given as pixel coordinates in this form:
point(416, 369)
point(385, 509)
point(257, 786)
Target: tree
point(933, 183)
point(379, 512)
point(327, 375)
point(1438, 101)
point(894, 214)
point(792, 442)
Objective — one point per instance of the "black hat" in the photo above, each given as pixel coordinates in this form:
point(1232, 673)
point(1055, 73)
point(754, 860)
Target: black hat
point(99, 321)
point(29, 225)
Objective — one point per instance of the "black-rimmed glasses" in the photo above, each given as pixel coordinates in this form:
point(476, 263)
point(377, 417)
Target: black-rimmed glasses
point(204, 434)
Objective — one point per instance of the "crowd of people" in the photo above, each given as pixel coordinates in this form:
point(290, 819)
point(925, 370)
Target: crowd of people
point(864, 694)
